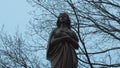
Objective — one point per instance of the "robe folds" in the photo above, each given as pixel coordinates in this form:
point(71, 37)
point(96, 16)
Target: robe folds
point(61, 48)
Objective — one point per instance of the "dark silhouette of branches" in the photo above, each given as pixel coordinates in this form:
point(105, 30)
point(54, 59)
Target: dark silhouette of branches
point(15, 52)
point(96, 23)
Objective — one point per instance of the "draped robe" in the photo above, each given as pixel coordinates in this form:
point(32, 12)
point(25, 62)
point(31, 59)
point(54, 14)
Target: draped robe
point(61, 48)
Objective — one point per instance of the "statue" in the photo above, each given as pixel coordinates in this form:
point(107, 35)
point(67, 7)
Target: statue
point(62, 44)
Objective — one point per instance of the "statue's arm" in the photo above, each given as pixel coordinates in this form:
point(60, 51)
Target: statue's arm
point(74, 40)
point(49, 47)
point(55, 41)
point(52, 42)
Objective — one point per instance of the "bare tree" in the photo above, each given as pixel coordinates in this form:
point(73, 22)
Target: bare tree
point(96, 23)
point(15, 52)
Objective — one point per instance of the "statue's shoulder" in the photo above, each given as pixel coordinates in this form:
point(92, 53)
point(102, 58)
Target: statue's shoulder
point(53, 30)
point(73, 32)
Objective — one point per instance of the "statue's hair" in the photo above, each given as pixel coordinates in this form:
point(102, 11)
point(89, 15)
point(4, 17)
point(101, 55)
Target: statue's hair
point(68, 22)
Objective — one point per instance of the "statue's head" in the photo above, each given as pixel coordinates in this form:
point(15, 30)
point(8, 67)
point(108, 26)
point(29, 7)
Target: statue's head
point(63, 19)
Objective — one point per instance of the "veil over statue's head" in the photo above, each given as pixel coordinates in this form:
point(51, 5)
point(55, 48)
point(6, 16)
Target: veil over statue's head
point(63, 19)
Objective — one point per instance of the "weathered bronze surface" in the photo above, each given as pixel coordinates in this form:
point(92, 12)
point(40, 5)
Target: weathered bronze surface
point(62, 44)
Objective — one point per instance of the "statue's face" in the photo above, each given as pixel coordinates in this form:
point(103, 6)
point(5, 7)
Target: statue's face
point(63, 18)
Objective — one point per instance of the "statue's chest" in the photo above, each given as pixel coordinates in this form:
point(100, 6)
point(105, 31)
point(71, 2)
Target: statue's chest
point(62, 32)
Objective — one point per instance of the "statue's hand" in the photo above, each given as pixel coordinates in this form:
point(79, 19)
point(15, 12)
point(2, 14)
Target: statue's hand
point(67, 38)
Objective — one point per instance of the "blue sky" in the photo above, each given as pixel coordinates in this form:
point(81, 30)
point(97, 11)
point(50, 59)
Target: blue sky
point(14, 15)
